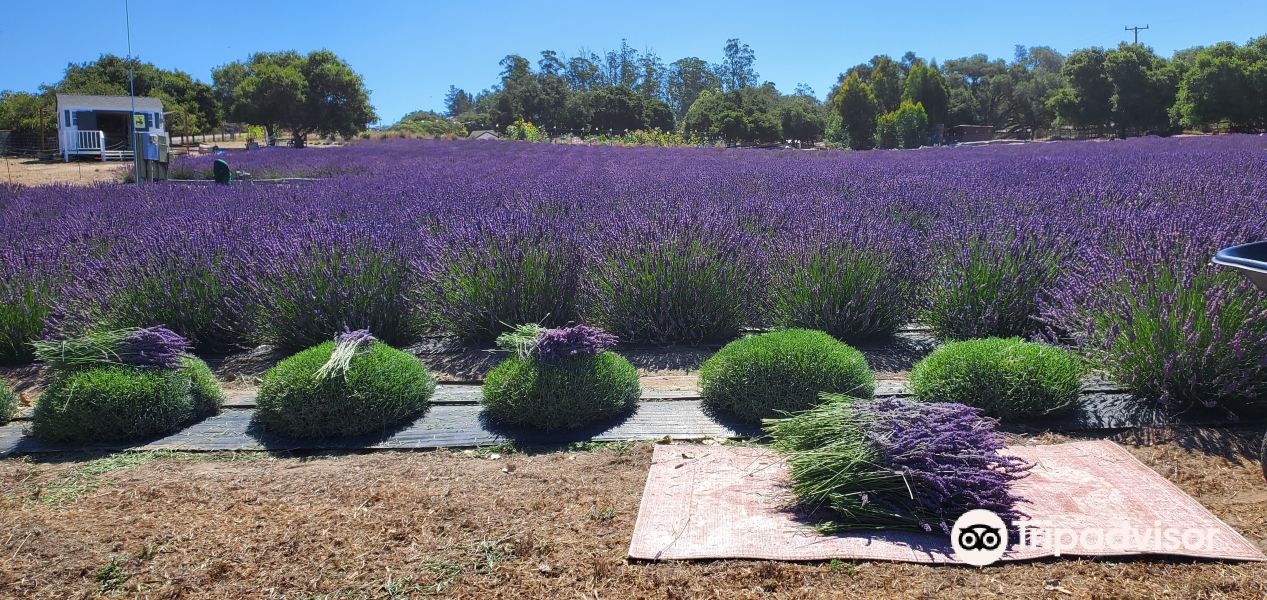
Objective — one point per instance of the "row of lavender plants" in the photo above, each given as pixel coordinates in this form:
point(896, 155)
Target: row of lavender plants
point(1100, 246)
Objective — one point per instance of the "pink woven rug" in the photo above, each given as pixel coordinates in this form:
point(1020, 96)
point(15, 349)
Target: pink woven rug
point(712, 502)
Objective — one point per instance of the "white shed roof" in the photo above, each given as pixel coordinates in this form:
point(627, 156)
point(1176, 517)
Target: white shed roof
point(124, 103)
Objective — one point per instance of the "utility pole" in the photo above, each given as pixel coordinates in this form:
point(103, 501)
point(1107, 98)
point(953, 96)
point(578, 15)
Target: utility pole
point(42, 130)
point(1136, 30)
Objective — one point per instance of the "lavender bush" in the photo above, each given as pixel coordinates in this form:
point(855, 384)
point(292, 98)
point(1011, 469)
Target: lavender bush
point(893, 463)
point(1162, 321)
point(8, 403)
point(684, 282)
point(491, 272)
point(334, 284)
point(855, 284)
point(662, 245)
point(990, 284)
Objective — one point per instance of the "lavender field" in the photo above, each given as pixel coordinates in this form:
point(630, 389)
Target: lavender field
point(1099, 246)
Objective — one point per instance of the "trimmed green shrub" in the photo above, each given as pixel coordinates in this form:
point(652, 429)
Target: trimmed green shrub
point(562, 394)
point(119, 402)
point(1005, 378)
point(380, 388)
point(204, 389)
point(8, 403)
point(767, 375)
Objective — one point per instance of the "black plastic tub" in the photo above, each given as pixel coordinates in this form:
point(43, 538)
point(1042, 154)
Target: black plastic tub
point(1250, 259)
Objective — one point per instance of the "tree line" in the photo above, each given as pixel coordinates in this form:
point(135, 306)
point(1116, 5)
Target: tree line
point(883, 102)
point(286, 91)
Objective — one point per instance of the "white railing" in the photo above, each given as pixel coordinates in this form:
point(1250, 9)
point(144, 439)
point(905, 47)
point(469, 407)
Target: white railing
point(84, 142)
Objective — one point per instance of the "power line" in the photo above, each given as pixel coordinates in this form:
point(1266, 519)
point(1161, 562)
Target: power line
point(1136, 30)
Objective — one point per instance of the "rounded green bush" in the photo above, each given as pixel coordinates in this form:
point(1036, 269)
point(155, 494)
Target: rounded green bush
point(763, 376)
point(1004, 377)
point(560, 394)
point(8, 403)
point(381, 388)
point(204, 388)
point(118, 403)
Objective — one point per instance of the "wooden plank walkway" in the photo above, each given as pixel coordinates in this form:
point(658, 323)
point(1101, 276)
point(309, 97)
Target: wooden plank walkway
point(460, 424)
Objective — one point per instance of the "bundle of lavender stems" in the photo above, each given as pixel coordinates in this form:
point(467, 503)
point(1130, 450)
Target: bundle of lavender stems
point(148, 347)
point(897, 464)
point(553, 344)
point(347, 345)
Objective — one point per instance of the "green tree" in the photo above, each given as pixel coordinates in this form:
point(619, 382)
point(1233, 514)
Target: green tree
point(429, 124)
point(747, 115)
point(1035, 76)
point(550, 63)
point(1087, 98)
point(925, 85)
point(688, 77)
point(1144, 88)
point(737, 69)
point(802, 118)
point(652, 79)
point(912, 125)
point(858, 110)
point(457, 101)
point(583, 73)
point(21, 111)
point(316, 93)
point(979, 90)
point(1226, 83)
point(886, 83)
point(268, 90)
point(622, 66)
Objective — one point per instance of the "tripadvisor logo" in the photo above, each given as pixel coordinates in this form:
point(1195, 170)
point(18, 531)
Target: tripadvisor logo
point(979, 537)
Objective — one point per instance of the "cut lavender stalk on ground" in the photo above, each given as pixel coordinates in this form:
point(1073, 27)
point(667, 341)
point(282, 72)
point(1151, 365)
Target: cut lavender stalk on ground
point(897, 464)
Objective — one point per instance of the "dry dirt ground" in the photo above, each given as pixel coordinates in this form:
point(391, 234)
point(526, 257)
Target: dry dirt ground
point(25, 171)
point(501, 523)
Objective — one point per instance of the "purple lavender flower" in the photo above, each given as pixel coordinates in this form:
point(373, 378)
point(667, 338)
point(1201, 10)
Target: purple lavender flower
point(355, 337)
point(571, 342)
point(898, 463)
point(948, 453)
point(157, 347)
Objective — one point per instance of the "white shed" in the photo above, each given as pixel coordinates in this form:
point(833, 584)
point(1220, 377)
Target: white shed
point(99, 126)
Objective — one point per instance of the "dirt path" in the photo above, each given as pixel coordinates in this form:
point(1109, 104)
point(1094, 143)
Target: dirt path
point(496, 524)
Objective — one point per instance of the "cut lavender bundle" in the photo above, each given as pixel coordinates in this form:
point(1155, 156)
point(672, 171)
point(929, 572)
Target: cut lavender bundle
point(897, 464)
point(575, 341)
point(346, 346)
point(533, 341)
point(149, 347)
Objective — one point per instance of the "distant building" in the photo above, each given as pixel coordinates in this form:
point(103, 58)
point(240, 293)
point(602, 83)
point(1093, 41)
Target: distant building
point(100, 126)
point(483, 134)
point(971, 133)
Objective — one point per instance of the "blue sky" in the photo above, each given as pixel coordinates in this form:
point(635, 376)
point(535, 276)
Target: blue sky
point(411, 51)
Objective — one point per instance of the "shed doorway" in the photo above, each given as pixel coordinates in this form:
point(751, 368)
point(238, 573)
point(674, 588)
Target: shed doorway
point(115, 127)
